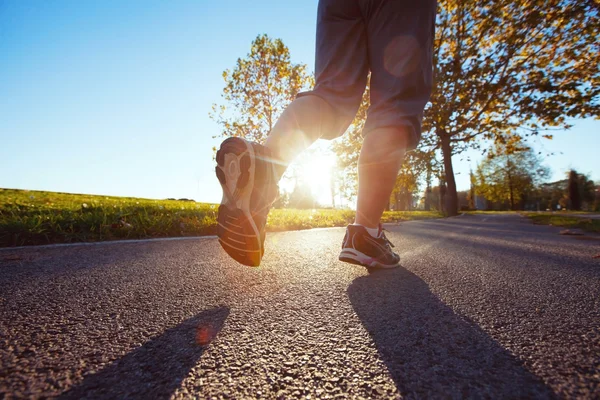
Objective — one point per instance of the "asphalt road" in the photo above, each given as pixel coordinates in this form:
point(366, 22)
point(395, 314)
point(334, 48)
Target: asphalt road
point(484, 306)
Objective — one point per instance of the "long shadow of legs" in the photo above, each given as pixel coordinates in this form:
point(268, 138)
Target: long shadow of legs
point(430, 351)
point(155, 370)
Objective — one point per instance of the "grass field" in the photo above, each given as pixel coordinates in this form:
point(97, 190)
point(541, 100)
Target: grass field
point(35, 217)
point(481, 212)
point(585, 224)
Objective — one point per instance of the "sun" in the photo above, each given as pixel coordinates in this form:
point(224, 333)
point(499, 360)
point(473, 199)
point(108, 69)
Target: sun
point(315, 169)
point(317, 172)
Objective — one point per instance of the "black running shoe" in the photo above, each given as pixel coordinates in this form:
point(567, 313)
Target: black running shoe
point(247, 176)
point(359, 247)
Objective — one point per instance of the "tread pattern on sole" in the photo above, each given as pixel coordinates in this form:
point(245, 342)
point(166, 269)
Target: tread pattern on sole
point(349, 256)
point(235, 232)
point(237, 147)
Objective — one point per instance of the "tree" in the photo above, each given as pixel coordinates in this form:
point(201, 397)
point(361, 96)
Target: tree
point(463, 200)
point(282, 201)
point(550, 195)
point(415, 164)
point(581, 191)
point(258, 89)
point(587, 192)
point(437, 198)
point(302, 197)
point(510, 177)
point(508, 69)
point(471, 195)
point(573, 186)
point(443, 198)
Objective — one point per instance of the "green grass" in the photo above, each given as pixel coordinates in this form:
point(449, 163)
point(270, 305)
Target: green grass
point(481, 212)
point(585, 224)
point(286, 219)
point(35, 217)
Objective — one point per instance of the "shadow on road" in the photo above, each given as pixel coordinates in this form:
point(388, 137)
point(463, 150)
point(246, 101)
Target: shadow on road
point(155, 370)
point(430, 351)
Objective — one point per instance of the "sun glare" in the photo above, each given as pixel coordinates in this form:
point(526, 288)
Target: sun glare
point(317, 173)
point(314, 169)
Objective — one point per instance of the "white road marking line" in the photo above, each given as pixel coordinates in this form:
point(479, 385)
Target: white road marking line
point(43, 246)
point(108, 242)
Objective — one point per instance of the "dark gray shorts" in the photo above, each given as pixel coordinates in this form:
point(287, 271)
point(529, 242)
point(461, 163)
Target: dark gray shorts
point(393, 39)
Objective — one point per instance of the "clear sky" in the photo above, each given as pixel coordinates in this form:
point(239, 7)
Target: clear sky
point(112, 97)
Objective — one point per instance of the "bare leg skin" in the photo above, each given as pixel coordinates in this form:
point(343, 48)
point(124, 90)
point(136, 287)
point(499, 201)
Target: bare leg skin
point(304, 121)
point(380, 160)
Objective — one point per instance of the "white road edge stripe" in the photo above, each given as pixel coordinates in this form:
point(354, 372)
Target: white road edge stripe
point(108, 242)
point(44, 246)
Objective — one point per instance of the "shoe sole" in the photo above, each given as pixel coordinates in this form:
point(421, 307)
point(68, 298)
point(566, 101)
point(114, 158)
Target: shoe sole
point(354, 256)
point(236, 229)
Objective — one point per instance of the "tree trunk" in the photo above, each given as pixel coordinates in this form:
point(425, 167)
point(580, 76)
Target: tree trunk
point(471, 191)
point(573, 191)
point(511, 193)
point(428, 189)
point(510, 186)
point(403, 203)
point(451, 195)
point(332, 183)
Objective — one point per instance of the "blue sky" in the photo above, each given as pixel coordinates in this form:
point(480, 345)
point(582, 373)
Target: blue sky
point(112, 97)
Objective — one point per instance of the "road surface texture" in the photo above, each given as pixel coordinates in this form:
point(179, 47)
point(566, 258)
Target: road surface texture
point(483, 306)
